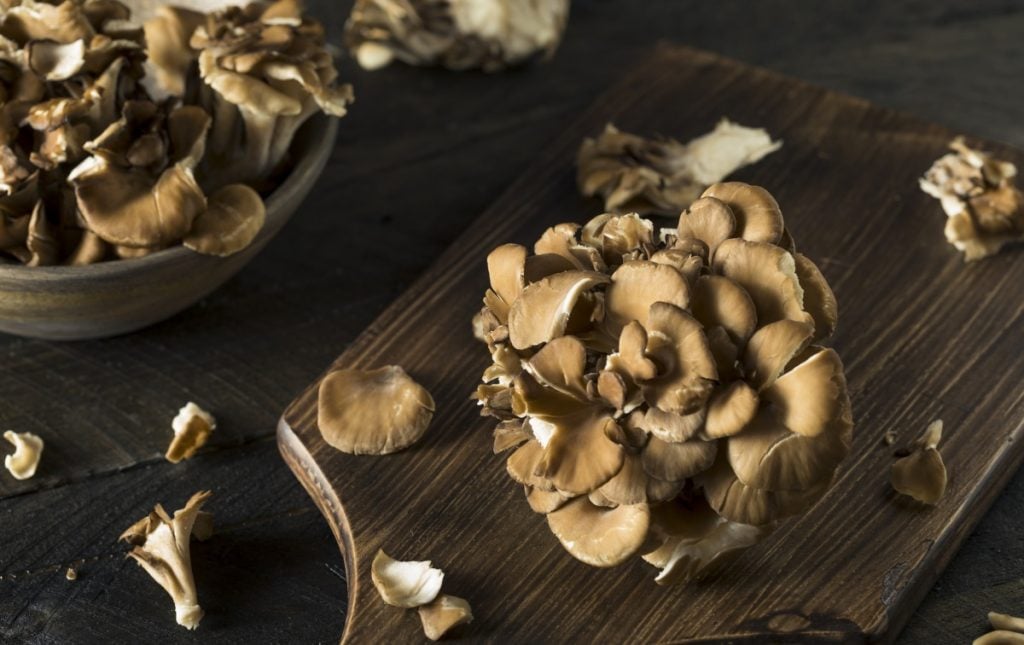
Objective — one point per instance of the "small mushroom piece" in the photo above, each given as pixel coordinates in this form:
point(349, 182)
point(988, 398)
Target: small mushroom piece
point(663, 176)
point(1000, 637)
point(922, 473)
point(1006, 622)
point(687, 370)
point(768, 274)
point(638, 285)
point(28, 449)
point(233, 218)
point(161, 547)
point(168, 52)
point(444, 614)
point(55, 61)
point(600, 537)
point(758, 216)
point(372, 412)
point(405, 584)
point(544, 309)
point(192, 427)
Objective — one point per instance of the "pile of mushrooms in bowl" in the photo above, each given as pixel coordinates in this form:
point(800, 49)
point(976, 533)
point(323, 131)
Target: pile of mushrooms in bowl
point(143, 163)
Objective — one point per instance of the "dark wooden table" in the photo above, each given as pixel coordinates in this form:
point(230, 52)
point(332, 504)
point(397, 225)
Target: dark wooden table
point(422, 153)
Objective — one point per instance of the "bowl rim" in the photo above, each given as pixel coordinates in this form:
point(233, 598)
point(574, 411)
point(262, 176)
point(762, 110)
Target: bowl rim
point(315, 142)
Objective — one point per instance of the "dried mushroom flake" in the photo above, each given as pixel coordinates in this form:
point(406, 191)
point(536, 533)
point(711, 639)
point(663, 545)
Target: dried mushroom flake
point(405, 584)
point(984, 207)
point(665, 393)
point(457, 34)
point(28, 450)
point(922, 474)
point(162, 547)
point(192, 427)
point(444, 614)
point(662, 176)
point(372, 412)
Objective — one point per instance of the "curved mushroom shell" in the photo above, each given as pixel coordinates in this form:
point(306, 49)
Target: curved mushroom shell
point(599, 536)
point(543, 310)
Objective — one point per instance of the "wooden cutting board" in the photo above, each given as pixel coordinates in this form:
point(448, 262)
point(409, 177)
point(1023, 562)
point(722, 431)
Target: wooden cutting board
point(923, 336)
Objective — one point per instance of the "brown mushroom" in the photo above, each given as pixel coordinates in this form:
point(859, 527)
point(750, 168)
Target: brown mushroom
point(922, 473)
point(28, 450)
point(768, 274)
point(233, 218)
point(1006, 622)
point(598, 536)
point(758, 216)
point(687, 370)
point(544, 309)
point(444, 614)
point(192, 427)
point(405, 584)
point(637, 285)
point(372, 412)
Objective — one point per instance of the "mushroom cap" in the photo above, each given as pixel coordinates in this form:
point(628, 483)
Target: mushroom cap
point(598, 536)
point(1006, 622)
point(768, 274)
point(579, 455)
point(819, 301)
point(545, 501)
point(718, 301)
point(687, 370)
point(811, 399)
point(192, 427)
point(633, 484)
point(405, 584)
point(758, 216)
point(373, 412)
point(543, 310)
point(671, 427)
point(921, 475)
point(674, 462)
point(738, 502)
point(506, 266)
point(636, 286)
point(55, 61)
point(730, 410)
point(444, 614)
point(772, 347)
point(709, 220)
point(233, 218)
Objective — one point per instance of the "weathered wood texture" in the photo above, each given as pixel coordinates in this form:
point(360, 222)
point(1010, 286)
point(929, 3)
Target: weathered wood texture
point(919, 334)
point(421, 154)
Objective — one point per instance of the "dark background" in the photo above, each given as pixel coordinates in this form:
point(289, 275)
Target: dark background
point(421, 153)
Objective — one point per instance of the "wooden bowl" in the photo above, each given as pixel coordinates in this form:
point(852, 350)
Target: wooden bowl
point(119, 296)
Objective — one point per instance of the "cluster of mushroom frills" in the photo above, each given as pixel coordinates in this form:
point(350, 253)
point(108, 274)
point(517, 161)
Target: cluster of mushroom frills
point(117, 140)
point(665, 394)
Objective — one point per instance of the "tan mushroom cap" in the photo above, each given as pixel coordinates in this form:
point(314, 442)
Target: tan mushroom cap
point(1006, 622)
point(636, 286)
point(819, 301)
point(730, 410)
point(560, 365)
point(192, 428)
point(718, 301)
point(738, 502)
point(758, 216)
point(506, 266)
point(167, 45)
point(372, 412)
point(559, 240)
point(444, 614)
point(771, 349)
point(687, 371)
point(28, 450)
point(670, 427)
point(508, 435)
point(523, 466)
point(233, 218)
point(708, 220)
point(600, 537)
point(675, 462)
point(403, 583)
point(545, 501)
point(1000, 637)
point(768, 274)
point(811, 399)
point(55, 61)
point(579, 456)
point(922, 473)
point(616, 235)
point(633, 484)
point(543, 310)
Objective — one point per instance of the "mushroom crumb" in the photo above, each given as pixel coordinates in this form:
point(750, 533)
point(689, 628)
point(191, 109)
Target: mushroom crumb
point(372, 412)
point(405, 584)
point(192, 427)
point(457, 34)
point(28, 450)
point(162, 547)
point(922, 474)
point(662, 176)
point(665, 393)
point(71, 574)
point(444, 614)
point(984, 207)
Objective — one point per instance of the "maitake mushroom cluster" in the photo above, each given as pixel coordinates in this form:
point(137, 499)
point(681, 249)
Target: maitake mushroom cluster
point(977, 193)
point(457, 34)
point(100, 161)
point(665, 394)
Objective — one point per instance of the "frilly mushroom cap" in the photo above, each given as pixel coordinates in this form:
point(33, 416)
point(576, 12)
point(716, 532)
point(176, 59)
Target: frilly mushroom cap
point(444, 614)
point(405, 584)
point(459, 35)
point(922, 473)
point(635, 370)
point(233, 218)
point(598, 536)
point(374, 412)
point(28, 449)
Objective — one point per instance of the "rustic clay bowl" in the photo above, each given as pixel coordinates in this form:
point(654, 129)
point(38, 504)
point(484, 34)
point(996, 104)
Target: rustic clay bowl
point(116, 297)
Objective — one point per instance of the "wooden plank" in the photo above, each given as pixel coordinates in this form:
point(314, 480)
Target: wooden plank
point(919, 335)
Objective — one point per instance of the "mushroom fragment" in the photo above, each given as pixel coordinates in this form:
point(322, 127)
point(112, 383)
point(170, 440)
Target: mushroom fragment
point(662, 176)
point(28, 450)
point(922, 474)
point(444, 614)
point(1006, 622)
point(405, 583)
point(161, 547)
point(372, 412)
point(663, 391)
point(1000, 637)
point(984, 207)
point(458, 34)
point(192, 427)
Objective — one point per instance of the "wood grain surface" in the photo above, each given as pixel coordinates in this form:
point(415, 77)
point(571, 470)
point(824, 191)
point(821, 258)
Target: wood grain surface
point(421, 154)
point(919, 334)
